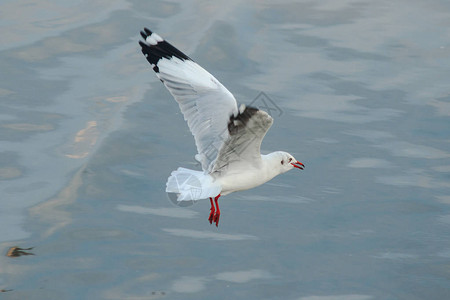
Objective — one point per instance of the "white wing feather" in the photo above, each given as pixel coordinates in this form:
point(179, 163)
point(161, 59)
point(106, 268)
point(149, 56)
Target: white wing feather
point(205, 103)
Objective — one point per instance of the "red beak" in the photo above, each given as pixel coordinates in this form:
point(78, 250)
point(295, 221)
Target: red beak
point(298, 165)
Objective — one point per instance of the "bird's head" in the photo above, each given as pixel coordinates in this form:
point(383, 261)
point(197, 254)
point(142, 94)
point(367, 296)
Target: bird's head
point(286, 162)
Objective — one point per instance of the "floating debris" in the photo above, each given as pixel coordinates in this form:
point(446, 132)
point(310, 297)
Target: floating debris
point(4, 291)
point(17, 251)
point(158, 293)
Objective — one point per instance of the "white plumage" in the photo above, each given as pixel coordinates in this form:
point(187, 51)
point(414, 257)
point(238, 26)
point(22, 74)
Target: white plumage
point(228, 139)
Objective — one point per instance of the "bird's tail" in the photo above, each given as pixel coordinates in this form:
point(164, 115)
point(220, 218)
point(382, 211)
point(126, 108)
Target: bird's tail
point(192, 185)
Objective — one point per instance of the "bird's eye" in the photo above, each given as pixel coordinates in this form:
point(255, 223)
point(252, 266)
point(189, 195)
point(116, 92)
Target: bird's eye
point(282, 162)
point(290, 159)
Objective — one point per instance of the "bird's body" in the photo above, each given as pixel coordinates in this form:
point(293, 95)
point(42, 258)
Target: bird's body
point(250, 175)
point(228, 138)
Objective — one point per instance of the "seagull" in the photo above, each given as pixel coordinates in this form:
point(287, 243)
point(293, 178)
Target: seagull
point(228, 138)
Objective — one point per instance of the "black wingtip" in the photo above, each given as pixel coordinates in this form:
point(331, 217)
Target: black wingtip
point(156, 51)
point(241, 119)
point(143, 44)
point(147, 31)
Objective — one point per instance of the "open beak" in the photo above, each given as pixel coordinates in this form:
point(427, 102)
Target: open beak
point(298, 165)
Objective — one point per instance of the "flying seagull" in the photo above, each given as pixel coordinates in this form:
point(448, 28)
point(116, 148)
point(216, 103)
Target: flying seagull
point(228, 138)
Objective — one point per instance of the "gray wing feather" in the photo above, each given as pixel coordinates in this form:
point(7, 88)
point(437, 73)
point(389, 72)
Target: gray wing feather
point(245, 134)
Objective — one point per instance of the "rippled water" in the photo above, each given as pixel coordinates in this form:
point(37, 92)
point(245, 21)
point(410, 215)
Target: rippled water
point(88, 137)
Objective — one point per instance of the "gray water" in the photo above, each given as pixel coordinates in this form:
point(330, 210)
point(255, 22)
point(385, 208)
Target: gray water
point(88, 137)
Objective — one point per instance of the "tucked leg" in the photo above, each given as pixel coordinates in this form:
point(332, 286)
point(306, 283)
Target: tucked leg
point(217, 212)
point(211, 214)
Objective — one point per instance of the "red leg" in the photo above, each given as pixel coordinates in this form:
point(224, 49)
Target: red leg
point(217, 214)
point(211, 214)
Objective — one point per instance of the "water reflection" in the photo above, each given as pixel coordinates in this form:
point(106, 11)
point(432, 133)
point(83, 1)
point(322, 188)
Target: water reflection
point(83, 142)
point(36, 20)
point(9, 173)
point(444, 199)
point(243, 276)
point(192, 284)
point(396, 256)
point(338, 297)
point(340, 108)
point(278, 199)
point(210, 235)
point(405, 149)
point(189, 284)
point(442, 106)
point(368, 162)
point(413, 178)
point(162, 211)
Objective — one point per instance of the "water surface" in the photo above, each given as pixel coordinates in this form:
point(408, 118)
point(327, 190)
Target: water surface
point(88, 137)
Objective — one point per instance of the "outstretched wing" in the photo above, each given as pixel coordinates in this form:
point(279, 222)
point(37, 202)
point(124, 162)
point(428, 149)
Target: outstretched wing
point(246, 132)
point(205, 103)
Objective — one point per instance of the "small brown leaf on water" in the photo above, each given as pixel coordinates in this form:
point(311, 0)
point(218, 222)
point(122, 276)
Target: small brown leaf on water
point(17, 251)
